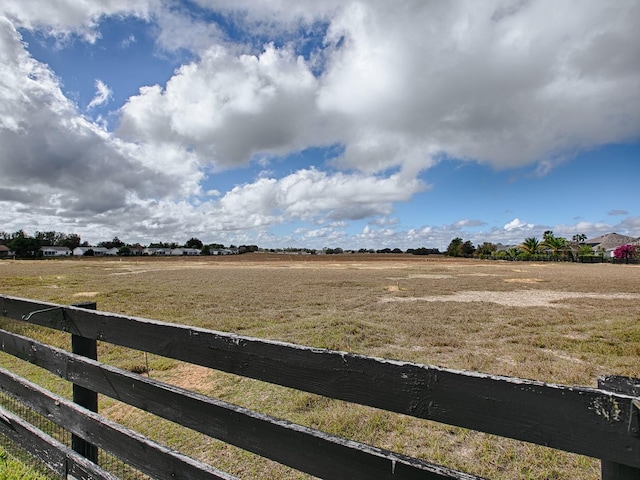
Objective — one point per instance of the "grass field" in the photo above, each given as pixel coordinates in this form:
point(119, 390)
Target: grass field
point(555, 322)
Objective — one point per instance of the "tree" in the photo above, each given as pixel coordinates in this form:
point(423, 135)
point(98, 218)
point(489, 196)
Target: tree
point(193, 243)
point(557, 245)
point(579, 238)
point(116, 242)
point(24, 245)
point(486, 249)
point(247, 248)
point(47, 239)
point(455, 247)
point(625, 252)
point(70, 241)
point(460, 248)
point(530, 245)
point(577, 245)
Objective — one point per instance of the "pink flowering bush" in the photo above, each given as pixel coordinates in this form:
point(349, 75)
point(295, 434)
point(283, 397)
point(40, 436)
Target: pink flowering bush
point(625, 252)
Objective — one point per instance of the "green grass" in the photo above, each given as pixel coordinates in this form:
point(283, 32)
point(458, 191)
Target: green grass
point(13, 469)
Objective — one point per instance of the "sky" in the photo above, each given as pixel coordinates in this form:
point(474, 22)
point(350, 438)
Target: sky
point(341, 123)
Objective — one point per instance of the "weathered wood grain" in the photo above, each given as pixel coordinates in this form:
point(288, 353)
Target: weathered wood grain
point(83, 396)
point(631, 386)
point(308, 450)
point(575, 419)
point(147, 456)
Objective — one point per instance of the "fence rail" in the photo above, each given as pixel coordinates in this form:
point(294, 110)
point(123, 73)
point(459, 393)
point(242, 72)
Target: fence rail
point(598, 422)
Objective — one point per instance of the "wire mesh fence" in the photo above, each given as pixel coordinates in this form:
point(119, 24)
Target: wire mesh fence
point(106, 461)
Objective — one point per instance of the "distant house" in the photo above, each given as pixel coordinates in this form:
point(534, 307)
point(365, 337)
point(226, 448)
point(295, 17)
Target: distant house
point(157, 251)
point(55, 251)
point(606, 244)
point(222, 251)
point(171, 251)
point(5, 252)
point(136, 250)
point(97, 251)
point(184, 251)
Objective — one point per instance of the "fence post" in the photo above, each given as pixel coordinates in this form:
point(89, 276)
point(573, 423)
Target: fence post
point(83, 396)
point(627, 386)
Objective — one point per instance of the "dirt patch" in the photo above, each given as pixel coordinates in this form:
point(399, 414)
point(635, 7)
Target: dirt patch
point(523, 280)
point(191, 377)
point(85, 294)
point(518, 298)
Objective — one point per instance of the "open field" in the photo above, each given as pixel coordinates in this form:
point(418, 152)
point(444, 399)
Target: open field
point(555, 322)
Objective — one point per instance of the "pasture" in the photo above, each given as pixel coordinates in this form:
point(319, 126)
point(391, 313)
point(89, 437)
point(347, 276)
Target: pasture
point(554, 322)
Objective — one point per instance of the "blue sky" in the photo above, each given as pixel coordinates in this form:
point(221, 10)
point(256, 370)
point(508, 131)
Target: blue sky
point(320, 124)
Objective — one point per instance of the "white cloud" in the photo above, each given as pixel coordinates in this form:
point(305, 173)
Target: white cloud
point(309, 193)
point(499, 82)
point(49, 146)
point(103, 94)
point(228, 109)
point(517, 225)
point(65, 17)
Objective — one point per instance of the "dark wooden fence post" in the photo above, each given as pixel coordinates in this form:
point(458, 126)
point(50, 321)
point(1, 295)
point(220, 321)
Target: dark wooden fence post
point(83, 396)
point(627, 386)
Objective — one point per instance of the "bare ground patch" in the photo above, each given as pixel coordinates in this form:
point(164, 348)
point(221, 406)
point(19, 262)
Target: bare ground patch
point(524, 280)
point(517, 298)
point(86, 294)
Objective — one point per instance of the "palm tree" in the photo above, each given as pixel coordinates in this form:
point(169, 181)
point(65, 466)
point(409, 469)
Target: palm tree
point(579, 238)
point(530, 245)
point(577, 246)
point(557, 245)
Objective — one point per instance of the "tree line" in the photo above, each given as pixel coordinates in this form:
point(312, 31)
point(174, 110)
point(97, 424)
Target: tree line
point(28, 246)
point(550, 247)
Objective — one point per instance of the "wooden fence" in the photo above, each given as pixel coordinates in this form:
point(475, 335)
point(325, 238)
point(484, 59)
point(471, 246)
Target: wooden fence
point(599, 422)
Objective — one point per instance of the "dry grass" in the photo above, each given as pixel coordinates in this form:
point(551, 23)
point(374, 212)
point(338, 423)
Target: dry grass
point(562, 323)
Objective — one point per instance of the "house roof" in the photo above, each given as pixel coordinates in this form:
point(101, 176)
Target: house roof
point(4, 248)
point(56, 249)
point(610, 240)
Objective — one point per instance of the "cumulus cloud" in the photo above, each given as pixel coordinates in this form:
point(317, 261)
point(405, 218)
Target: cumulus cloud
point(51, 149)
point(229, 108)
point(497, 82)
point(307, 193)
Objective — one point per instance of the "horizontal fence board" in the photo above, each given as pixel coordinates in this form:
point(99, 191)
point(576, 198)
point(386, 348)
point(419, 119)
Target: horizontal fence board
point(620, 384)
point(306, 449)
point(575, 419)
point(147, 456)
point(58, 457)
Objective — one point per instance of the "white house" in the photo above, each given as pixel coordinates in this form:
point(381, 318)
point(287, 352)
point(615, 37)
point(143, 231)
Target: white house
point(97, 251)
point(55, 251)
point(157, 251)
point(184, 251)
